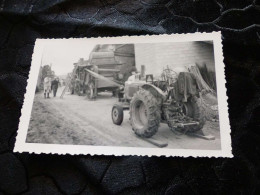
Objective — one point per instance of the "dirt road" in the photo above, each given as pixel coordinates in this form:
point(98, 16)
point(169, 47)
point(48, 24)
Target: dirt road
point(76, 120)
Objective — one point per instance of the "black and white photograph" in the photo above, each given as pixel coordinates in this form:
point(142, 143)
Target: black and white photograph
point(147, 95)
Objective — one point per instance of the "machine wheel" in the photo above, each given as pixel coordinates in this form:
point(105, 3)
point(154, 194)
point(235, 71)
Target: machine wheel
point(77, 89)
point(195, 110)
point(117, 114)
point(72, 91)
point(145, 113)
point(90, 91)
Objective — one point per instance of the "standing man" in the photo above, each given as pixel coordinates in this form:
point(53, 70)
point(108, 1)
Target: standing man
point(47, 87)
point(54, 86)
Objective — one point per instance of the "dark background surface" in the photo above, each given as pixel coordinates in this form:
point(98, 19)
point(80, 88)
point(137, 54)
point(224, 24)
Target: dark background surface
point(21, 22)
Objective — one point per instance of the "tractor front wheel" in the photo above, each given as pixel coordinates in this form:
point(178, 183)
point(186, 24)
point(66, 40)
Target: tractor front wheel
point(117, 114)
point(145, 113)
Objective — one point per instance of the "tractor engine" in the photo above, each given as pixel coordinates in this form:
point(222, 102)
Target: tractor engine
point(132, 85)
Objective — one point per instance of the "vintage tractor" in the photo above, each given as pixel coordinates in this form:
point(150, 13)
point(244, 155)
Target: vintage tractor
point(174, 99)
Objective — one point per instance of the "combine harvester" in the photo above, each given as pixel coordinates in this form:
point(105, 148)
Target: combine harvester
point(107, 71)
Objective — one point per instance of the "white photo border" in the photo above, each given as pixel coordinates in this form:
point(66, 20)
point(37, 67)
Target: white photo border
point(38, 148)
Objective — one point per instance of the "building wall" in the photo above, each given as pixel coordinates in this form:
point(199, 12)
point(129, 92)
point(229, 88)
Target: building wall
point(177, 56)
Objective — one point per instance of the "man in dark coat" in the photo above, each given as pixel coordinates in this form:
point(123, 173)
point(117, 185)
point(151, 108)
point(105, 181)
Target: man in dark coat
point(54, 86)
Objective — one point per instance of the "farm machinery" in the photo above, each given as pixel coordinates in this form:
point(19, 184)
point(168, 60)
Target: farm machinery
point(173, 99)
point(102, 63)
point(102, 72)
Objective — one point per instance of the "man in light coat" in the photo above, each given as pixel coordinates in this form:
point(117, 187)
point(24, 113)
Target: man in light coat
point(47, 87)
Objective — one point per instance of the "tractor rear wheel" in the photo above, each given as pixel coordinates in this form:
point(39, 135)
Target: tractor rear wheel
point(145, 113)
point(194, 109)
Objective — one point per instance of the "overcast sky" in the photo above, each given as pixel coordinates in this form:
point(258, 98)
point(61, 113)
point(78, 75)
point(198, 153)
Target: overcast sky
point(63, 53)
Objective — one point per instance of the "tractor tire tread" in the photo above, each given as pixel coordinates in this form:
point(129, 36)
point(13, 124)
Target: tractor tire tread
point(153, 115)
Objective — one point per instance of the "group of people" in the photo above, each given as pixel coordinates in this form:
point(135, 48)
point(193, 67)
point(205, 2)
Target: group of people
point(50, 85)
